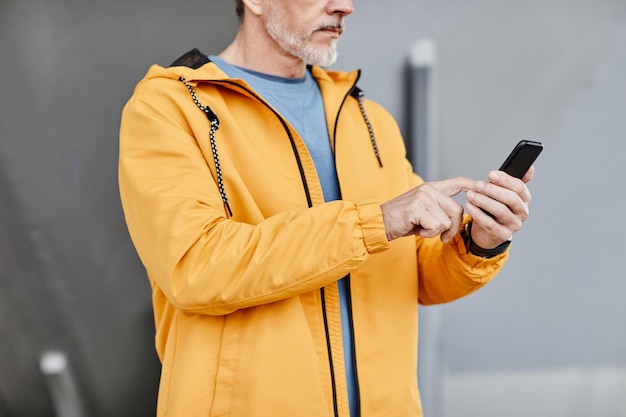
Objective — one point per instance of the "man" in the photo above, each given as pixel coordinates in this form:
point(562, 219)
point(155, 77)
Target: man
point(285, 236)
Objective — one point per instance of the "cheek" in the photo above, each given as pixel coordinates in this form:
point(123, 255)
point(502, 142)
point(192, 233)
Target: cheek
point(302, 16)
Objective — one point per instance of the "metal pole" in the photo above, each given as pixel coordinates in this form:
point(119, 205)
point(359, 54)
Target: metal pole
point(61, 384)
point(422, 141)
point(422, 151)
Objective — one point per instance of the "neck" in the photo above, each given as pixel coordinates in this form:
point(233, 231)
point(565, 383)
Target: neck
point(254, 49)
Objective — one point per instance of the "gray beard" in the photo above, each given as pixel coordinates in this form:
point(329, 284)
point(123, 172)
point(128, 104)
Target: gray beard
point(299, 47)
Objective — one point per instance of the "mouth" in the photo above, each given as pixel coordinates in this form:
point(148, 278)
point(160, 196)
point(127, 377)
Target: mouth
point(331, 28)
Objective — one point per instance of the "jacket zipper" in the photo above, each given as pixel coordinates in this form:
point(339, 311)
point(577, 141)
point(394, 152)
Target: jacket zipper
point(330, 352)
point(349, 292)
point(339, 111)
point(310, 204)
point(354, 362)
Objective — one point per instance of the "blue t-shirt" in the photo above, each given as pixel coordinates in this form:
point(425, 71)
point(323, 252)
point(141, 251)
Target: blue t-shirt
point(299, 101)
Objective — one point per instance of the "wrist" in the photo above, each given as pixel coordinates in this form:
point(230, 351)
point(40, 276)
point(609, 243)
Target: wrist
point(474, 249)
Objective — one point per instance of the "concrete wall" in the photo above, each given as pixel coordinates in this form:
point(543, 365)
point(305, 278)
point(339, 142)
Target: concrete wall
point(546, 338)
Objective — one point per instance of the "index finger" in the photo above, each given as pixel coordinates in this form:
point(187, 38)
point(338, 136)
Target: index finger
point(453, 186)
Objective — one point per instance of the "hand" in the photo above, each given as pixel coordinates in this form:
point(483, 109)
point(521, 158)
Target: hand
point(507, 198)
point(427, 211)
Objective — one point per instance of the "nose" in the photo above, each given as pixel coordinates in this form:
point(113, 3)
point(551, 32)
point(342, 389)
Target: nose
point(342, 7)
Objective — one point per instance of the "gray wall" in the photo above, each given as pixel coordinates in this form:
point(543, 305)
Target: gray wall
point(545, 338)
point(70, 278)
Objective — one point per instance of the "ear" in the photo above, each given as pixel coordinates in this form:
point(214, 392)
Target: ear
point(254, 6)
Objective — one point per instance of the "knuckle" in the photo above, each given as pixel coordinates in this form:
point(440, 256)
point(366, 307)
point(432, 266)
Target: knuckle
point(427, 187)
point(524, 215)
point(499, 211)
point(490, 227)
point(517, 225)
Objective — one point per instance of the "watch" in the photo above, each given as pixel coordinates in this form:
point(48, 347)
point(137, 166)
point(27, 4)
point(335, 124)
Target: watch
point(474, 249)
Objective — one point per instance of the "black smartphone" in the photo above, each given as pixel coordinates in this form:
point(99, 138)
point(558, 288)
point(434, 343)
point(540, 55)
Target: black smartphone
point(521, 158)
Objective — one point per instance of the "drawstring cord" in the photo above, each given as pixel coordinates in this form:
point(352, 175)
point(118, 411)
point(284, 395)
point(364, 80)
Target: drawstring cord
point(360, 96)
point(215, 124)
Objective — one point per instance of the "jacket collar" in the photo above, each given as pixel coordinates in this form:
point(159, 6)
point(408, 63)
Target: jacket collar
point(192, 65)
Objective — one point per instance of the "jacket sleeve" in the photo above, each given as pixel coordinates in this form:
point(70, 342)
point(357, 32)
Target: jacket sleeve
point(446, 271)
point(207, 263)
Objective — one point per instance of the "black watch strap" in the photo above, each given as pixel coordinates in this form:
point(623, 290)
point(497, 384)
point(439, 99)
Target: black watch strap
point(474, 249)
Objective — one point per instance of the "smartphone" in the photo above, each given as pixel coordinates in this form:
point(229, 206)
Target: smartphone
point(521, 158)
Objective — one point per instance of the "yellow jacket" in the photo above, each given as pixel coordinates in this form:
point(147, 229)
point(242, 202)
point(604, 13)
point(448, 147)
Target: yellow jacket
point(246, 305)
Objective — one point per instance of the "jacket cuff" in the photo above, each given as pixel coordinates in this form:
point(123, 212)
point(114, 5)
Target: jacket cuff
point(372, 226)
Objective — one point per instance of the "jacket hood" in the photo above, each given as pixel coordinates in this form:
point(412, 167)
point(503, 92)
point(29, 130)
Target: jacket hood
point(194, 66)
